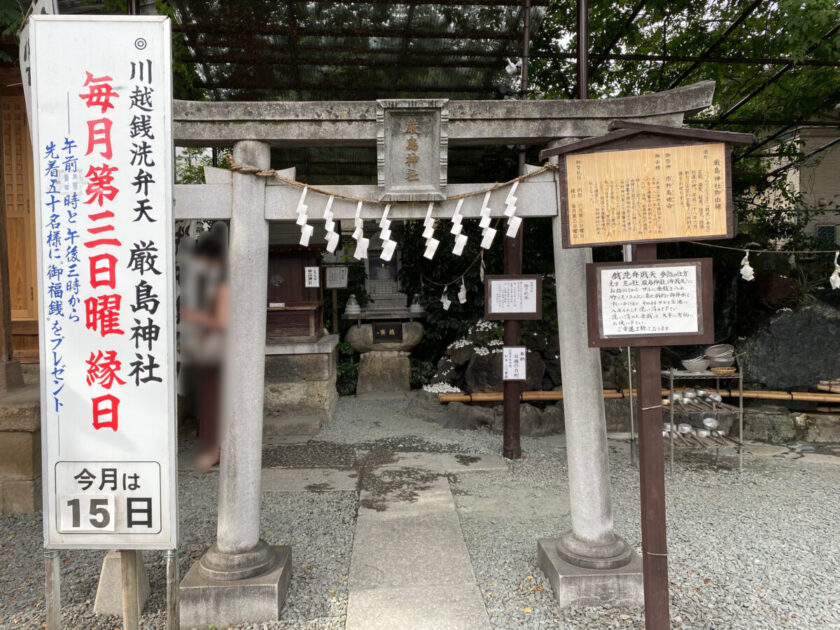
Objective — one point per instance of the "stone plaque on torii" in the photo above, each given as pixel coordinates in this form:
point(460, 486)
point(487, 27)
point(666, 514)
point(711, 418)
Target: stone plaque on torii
point(242, 578)
point(412, 149)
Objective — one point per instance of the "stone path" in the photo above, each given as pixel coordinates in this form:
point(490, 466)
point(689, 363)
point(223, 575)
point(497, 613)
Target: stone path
point(410, 567)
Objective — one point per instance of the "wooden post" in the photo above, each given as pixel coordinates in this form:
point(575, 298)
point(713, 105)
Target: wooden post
point(512, 390)
point(128, 569)
point(52, 588)
point(10, 372)
point(652, 479)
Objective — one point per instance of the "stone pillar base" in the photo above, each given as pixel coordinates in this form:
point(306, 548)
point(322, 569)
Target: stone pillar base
point(109, 591)
point(579, 586)
point(11, 376)
point(205, 601)
point(384, 371)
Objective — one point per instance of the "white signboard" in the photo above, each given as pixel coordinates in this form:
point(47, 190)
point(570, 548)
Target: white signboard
point(102, 115)
point(513, 297)
point(336, 277)
point(311, 277)
point(513, 363)
point(661, 300)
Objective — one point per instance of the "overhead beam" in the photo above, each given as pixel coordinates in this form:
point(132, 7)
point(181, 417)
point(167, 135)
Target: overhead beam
point(213, 201)
point(204, 28)
point(476, 123)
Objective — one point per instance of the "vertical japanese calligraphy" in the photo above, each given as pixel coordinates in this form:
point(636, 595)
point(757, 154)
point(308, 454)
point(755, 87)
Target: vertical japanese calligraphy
point(658, 194)
point(101, 92)
point(412, 158)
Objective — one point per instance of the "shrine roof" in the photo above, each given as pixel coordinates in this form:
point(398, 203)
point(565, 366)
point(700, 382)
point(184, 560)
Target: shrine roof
point(622, 129)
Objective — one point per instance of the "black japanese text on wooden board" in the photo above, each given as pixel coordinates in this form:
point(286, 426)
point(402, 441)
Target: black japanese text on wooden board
point(646, 184)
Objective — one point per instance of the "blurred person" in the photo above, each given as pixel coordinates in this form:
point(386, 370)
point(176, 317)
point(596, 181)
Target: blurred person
point(204, 320)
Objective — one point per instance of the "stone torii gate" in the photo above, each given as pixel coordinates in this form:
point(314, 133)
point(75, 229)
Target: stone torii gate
point(242, 578)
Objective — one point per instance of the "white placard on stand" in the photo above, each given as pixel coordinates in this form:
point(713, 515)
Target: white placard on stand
point(102, 143)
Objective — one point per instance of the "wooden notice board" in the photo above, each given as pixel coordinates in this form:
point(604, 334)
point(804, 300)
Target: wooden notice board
point(652, 303)
point(652, 194)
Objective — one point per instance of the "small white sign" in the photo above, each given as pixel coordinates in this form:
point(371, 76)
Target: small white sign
point(336, 277)
point(513, 296)
point(312, 277)
point(513, 363)
point(656, 300)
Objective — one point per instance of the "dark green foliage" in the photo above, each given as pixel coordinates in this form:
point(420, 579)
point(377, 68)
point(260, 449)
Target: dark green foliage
point(348, 369)
point(769, 208)
point(421, 372)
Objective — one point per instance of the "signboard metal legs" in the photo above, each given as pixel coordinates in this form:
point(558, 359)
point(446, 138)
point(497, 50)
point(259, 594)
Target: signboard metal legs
point(52, 588)
point(128, 571)
point(652, 480)
point(173, 616)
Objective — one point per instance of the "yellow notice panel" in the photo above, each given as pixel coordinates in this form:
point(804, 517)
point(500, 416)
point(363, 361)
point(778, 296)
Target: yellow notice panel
point(660, 194)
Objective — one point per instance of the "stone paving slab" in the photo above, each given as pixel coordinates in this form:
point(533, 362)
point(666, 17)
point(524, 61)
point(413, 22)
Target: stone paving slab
point(446, 463)
point(308, 480)
point(410, 568)
point(417, 608)
point(410, 543)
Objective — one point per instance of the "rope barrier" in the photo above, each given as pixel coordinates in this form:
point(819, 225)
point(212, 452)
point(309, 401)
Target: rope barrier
point(786, 252)
point(251, 170)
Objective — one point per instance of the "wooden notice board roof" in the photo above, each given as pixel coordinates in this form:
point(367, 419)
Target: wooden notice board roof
point(621, 129)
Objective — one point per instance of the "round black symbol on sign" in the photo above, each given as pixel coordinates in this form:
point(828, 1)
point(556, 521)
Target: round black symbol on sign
point(139, 43)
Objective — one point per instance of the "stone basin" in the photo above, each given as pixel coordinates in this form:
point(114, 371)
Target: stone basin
point(360, 337)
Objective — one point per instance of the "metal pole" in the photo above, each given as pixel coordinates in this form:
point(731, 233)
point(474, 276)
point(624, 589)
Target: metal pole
point(335, 311)
point(740, 418)
point(652, 480)
point(630, 385)
point(173, 613)
point(52, 588)
point(671, 406)
point(628, 257)
point(130, 608)
point(511, 447)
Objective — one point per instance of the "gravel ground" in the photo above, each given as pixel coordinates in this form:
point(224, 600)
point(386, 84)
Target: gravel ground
point(757, 550)
point(318, 525)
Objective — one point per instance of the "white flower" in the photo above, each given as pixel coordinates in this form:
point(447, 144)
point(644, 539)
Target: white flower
point(441, 388)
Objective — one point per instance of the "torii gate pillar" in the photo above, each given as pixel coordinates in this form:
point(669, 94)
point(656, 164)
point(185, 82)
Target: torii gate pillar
point(590, 564)
point(241, 578)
